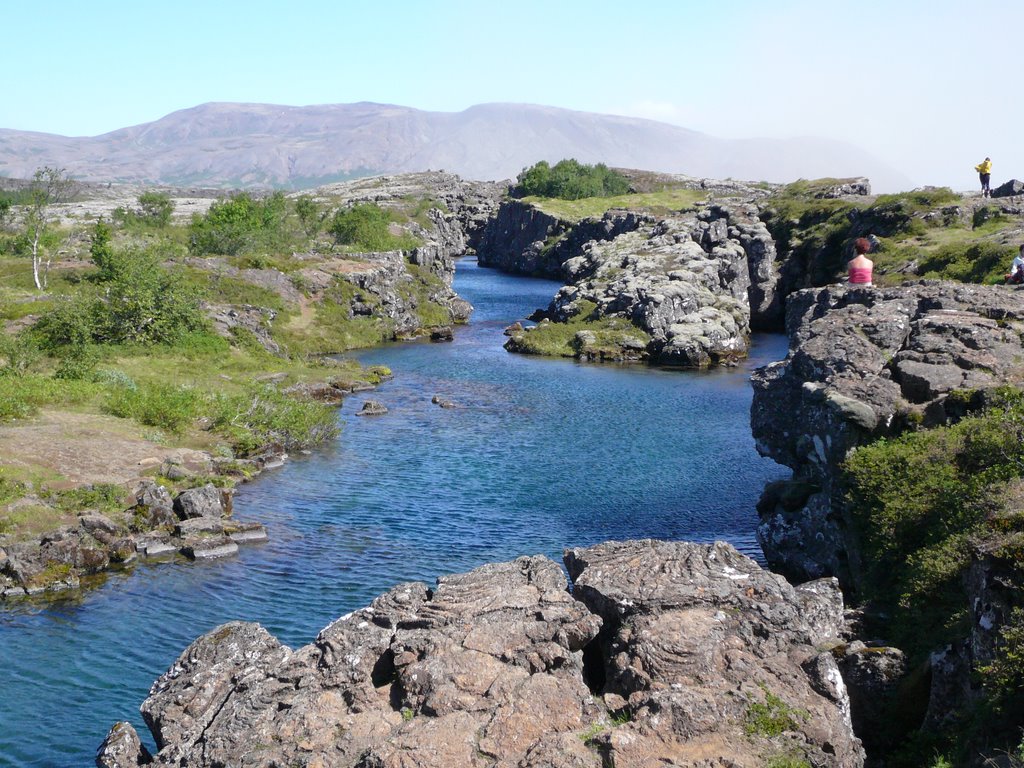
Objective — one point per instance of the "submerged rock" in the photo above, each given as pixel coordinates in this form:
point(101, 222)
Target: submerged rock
point(122, 748)
point(372, 408)
point(665, 653)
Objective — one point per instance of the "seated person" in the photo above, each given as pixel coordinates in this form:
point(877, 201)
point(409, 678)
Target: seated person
point(1016, 274)
point(860, 266)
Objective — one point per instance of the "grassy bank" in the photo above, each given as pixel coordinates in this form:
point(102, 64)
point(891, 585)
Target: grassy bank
point(209, 333)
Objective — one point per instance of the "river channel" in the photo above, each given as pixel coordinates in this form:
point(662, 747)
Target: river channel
point(536, 456)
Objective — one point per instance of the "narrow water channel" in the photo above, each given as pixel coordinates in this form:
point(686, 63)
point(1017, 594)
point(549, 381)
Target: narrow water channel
point(536, 456)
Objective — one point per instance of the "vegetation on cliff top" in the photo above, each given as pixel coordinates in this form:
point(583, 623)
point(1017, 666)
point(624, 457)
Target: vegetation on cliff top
point(658, 203)
point(931, 232)
point(570, 180)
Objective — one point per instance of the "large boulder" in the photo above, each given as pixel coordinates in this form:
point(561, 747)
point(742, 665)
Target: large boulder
point(481, 669)
point(205, 501)
point(1010, 188)
point(700, 644)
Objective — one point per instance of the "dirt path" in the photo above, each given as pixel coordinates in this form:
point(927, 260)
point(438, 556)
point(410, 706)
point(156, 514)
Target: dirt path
point(78, 448)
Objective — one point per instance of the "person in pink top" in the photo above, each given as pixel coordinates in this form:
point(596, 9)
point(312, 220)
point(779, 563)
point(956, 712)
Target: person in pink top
point(860, 266)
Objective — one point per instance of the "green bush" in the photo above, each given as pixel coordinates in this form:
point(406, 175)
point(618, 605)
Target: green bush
point(101, 250)
point(366, 227)
point(570, 180)
point(919, 500)
point(155, 208)
point(76, 363)
point(242, 223)
point(310, 216)
point(135, 301)
point(17, 353)
point(1003, 678)
point(71, 321)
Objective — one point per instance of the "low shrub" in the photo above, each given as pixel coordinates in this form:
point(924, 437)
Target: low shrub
point(262, 415)
point(134, 301)
point(978, 262)
point(166, 406)
point(17, 354)
point(773, 716)
point(919, 500)
point(22, 396)
point(104, 497)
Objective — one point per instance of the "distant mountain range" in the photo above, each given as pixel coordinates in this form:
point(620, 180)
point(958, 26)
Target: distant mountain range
point(247, 145)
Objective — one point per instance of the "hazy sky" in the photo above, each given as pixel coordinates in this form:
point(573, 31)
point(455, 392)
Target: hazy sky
point(930, 87)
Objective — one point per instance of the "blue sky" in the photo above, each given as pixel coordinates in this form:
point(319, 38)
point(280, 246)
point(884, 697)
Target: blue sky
point(929, 87)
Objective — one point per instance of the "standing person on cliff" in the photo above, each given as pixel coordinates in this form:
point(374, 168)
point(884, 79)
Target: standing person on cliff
point(984, 169)
point(860, 266)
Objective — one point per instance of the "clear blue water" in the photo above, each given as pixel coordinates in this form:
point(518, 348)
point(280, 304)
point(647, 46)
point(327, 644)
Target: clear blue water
point(539, 455)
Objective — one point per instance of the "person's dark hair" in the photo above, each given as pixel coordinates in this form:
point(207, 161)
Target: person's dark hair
point(862, 245)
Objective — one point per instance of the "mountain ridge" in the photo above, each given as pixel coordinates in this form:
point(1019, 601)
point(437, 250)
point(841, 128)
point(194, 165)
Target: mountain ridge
point(256, 144)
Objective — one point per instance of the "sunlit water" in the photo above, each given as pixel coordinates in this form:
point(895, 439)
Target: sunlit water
point(538, 455)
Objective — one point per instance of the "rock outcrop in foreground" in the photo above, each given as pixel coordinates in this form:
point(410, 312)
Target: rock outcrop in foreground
point(663, 653)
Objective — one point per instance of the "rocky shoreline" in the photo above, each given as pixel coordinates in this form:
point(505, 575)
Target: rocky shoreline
point(390, 287)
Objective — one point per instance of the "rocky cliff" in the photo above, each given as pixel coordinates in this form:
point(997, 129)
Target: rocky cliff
point(522, 239)
point(864, 364)
point(693, 282)
point(944, 579)
point(663, 653)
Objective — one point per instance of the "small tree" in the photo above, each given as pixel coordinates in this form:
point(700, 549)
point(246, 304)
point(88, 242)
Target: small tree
point(309, 215)
point(102, 250)
point(156, 208)
point(50, 186)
